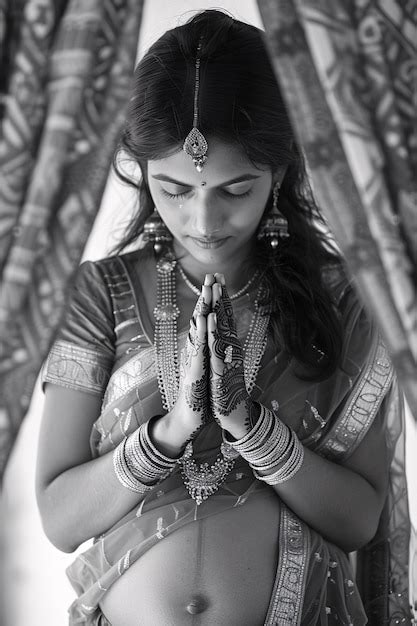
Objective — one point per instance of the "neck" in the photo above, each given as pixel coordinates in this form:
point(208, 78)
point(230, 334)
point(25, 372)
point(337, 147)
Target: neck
point(237, 271)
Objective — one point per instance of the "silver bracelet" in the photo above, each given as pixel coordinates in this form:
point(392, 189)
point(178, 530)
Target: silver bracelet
point(138, 464)
point(249, 440)
point(123, 473)
point(144, 461)
point(252, 439)
point(289, 468)
point(266, 443)
point(273, 448)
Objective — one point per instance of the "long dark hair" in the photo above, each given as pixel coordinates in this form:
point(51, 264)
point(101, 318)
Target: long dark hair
point(240, 102)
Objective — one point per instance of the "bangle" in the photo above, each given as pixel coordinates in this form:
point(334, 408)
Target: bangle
point(266, 443)
point(123, 473)
point(144, 461)
point(256, 433)
point(137, 462)
point(289, 468)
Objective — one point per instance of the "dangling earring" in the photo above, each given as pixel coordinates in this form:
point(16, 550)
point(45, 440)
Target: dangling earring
point(274, 227)
point(155, 232)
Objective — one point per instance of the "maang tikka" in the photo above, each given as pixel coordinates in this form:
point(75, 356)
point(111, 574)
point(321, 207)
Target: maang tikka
point(274, 227)
point(195, 144)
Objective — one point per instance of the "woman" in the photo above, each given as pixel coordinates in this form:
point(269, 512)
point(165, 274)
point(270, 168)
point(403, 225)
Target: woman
point(224, 444)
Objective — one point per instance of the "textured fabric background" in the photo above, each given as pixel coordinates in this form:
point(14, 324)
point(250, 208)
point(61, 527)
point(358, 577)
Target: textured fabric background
point(66, 81)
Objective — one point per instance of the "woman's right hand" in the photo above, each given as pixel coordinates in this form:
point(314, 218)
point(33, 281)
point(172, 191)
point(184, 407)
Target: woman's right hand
point(192, 408)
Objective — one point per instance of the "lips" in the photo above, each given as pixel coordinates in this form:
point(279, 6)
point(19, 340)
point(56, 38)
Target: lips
point(209, 243)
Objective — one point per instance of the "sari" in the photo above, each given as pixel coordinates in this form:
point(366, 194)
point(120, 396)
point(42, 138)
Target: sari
point(105, 346)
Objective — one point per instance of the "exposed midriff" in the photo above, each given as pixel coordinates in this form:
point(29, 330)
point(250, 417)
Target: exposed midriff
point(215, 571)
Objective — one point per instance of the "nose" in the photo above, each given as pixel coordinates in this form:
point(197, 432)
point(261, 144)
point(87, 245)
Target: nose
point(207, 218)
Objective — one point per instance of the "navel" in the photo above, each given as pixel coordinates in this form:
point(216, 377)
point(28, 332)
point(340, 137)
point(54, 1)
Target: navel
point(197, 604)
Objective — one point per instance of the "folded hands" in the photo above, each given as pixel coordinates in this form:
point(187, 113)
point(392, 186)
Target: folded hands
point(212, 381)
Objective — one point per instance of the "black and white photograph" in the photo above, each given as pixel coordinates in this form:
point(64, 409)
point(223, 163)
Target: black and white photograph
point(208, 313)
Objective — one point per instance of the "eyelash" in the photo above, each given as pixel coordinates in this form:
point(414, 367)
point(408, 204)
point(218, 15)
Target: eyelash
point(174, 196)
point(179, 196)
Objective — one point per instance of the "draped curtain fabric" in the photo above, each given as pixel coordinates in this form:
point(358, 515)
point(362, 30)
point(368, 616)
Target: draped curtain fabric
point(65, 79)
point(348, 73)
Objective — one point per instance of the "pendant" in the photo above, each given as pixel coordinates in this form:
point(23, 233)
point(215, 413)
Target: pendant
point(203, 480)
point(195, 145)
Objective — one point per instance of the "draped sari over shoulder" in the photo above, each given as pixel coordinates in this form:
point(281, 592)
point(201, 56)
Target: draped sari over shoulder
point(105, 347)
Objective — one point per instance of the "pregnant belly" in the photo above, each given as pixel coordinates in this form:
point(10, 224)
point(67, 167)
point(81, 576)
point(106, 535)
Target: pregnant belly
point(215, 571)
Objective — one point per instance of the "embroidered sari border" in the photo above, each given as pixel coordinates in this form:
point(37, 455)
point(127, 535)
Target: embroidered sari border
point(77, 367)
point(294, 547)
point(362, 407)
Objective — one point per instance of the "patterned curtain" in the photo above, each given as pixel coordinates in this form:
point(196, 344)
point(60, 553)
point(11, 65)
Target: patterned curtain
point(348, 72)
point(65, 78)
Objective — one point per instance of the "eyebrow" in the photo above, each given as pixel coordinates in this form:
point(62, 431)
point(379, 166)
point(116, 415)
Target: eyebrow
point(238, 179)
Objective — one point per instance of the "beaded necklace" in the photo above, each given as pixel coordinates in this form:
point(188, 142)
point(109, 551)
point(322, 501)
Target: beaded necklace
point(204, 480)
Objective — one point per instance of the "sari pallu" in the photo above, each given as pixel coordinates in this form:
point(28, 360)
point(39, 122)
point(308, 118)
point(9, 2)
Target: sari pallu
point(105, 347)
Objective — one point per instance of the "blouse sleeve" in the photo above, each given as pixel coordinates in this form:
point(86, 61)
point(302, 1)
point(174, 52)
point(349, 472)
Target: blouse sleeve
point(82, 355)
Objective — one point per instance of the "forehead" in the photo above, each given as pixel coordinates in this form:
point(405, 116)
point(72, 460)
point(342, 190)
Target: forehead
point(225, 161)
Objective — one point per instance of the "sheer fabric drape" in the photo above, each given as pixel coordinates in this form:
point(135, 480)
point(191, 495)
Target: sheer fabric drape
point(66, 69)
point(347, 72)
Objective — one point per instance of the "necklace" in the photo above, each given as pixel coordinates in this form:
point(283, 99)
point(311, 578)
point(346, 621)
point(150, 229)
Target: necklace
point(201, 481)
point(196, 290)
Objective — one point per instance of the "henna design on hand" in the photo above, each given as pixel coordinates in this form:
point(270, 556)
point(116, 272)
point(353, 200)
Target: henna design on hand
point(193, 346)
point(197, 397)
point(228, 390)
point(194, 434)
point(253, 412)
point(219, 348)
point(231, 403)
point(202, 307)
point(228, 309)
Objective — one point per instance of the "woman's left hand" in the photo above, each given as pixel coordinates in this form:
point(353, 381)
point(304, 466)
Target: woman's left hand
point(232, 407)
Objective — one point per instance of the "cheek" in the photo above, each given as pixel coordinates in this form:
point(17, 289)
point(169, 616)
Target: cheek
point(171, 217)
point(251, 213)
point(172, 214)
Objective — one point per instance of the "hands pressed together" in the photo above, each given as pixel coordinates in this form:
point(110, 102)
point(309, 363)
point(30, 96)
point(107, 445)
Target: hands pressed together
point(212, 382)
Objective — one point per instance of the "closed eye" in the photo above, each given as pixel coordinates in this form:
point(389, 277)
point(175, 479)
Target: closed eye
point(224, 192)
point(174, 196)
point(237, 195)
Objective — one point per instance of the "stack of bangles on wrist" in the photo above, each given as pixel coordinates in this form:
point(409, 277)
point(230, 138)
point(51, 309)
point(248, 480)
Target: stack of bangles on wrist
point(269, 445)
point(138, 465)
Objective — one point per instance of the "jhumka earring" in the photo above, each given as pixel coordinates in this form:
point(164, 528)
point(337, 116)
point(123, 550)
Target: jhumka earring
point(155, 232)
point(274, 227)
point(195, 144)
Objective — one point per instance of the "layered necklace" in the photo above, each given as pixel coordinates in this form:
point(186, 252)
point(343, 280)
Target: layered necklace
point(202, 480)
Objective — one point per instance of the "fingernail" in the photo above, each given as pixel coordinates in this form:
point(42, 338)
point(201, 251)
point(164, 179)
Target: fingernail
point(208, 280)
point(220, 278)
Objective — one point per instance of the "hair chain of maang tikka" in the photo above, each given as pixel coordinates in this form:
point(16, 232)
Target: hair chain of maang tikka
point(195, 144)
